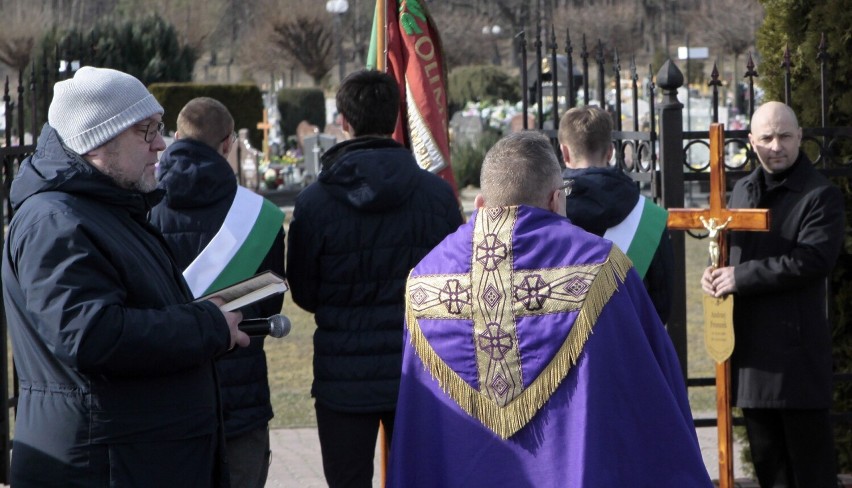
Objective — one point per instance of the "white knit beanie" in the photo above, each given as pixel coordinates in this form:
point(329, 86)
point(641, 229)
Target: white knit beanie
point(96, 105)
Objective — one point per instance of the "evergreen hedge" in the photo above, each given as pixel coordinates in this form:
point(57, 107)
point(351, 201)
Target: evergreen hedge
point(244, 101)
point(298, 104)
point(467, 157)
point(147, 48)
point(481, 84)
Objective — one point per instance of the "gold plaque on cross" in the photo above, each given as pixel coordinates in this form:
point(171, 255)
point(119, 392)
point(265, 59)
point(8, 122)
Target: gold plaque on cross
point(719, 327)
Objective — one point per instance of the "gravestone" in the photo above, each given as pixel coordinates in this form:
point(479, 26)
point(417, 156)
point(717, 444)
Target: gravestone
point(303, 130)
point(336, 131)
point(466, 129)
point(516, 124)
point(315, 145)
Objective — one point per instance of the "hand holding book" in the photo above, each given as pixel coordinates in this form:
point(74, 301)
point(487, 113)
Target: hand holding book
point(246, 292)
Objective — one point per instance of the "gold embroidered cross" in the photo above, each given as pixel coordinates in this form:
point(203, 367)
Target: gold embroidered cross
point(504, 295)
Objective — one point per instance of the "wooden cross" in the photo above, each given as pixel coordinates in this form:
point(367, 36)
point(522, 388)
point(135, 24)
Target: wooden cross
point(725, 219)
point(265, 126)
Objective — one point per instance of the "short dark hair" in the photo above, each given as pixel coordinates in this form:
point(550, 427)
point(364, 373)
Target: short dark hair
point(369, 100)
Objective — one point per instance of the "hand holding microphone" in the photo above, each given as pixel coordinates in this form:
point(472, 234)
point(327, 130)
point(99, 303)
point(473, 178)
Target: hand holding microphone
point(274, 326)
point(238, 338)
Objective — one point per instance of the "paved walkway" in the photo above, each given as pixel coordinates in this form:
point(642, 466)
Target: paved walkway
point(296, 461)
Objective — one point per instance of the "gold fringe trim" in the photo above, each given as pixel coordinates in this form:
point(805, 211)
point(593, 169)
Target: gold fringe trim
point(506, 421)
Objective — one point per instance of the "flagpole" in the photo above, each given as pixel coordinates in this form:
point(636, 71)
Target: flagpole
point(381, 35)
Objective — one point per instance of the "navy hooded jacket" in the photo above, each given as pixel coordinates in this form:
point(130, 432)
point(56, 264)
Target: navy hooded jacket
point(355, 235)
point(602, 198)
point(200, 187)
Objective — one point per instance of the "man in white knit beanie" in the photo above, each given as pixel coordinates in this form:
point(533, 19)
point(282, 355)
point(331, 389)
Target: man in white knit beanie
point(115, 359)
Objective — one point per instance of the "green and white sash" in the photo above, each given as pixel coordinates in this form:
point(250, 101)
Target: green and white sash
point(240, 245)
point(639, 234)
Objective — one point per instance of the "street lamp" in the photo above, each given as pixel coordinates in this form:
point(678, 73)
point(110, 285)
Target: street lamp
point(493, 32)
point(337, 8)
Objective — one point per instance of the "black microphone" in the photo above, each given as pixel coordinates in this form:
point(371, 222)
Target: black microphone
point(274, 326)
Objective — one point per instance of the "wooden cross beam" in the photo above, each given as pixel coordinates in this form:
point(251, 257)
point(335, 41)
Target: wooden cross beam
point(265, 126)
point(718, 219)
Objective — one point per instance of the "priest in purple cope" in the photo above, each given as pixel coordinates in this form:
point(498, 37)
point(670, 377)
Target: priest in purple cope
point(533, 356)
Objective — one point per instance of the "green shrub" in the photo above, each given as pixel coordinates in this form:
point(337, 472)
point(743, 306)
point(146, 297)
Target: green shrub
point(147, 48)
point(244, 101)
point(298, 104)
point(481, 84)
point(842, 340)
point(841, 287)
point(467, 158)
point(800, 26)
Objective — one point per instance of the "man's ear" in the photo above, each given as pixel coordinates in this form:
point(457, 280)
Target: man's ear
point(566, 156)
point(177, 135)
point(226, 147)
point(553, 203)
point(478, 201)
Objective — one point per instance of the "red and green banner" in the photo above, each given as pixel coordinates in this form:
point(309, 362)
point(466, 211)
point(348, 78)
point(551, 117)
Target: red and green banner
point(405, 43)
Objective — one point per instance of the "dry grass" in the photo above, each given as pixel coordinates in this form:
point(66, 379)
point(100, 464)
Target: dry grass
point(699, 363)
point(290, 370)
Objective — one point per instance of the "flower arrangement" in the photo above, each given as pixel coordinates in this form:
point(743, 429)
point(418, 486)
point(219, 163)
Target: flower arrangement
point(275, 171)
point(291, 157)
point(495, 115)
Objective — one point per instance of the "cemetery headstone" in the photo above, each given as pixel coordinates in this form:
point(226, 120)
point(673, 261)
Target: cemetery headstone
point(314, 147)
point(466, 129)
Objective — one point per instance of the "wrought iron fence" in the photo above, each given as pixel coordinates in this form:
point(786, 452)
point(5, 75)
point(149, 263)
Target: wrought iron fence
point(662, 156)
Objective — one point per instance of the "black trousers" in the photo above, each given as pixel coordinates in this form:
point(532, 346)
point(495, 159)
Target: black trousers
point(167, 464)
point(792, 448)
point(348, 442)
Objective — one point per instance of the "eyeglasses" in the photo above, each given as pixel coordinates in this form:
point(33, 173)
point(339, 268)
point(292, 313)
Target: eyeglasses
point(232, 136)
point(566, 187)
point(152, 129)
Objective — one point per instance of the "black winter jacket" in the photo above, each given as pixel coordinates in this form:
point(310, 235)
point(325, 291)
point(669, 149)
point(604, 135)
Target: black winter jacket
point(601, 198)
point(200, 187)
point(355, 235)
point(782, 357)
point(108, 348)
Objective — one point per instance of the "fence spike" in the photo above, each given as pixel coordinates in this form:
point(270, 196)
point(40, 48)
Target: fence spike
point(569, 49)
point(714, 77)
point(634, 74)
point(822, 49)
point(788, 95)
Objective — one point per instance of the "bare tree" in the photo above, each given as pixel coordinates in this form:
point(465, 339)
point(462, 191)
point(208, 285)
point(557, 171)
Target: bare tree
point(614, 27)
point(23, 26)
point(729, 27)
point(304, 35)
point(462, 37)
point(195, 22)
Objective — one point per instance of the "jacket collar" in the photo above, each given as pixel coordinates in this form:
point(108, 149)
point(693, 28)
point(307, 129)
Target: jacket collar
point(795, 181)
